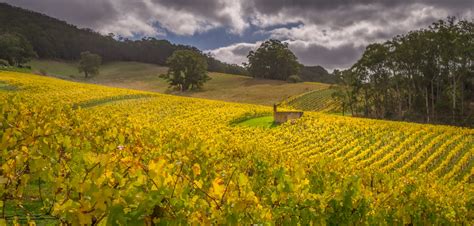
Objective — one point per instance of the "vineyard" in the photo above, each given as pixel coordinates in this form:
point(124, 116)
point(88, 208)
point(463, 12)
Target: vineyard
point(317, 100)
point(86, 154)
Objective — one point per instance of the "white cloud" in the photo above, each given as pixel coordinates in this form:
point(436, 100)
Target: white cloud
point(129, 26)
point(235, 53)
point(179, 22)
point(233, 11)
point(280, 18)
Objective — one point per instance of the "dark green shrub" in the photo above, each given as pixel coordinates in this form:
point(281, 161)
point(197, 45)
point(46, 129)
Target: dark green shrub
point(294, 79)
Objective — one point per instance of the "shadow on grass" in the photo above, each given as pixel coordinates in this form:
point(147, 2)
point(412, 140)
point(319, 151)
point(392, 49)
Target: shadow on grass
point(29, 207)
point(96, 102)
point(7, 87)
point(261, 122)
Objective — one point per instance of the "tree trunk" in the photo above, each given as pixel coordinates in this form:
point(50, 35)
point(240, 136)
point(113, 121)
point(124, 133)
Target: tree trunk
point(433, 113)
point(409, 100)
point(427, 105)
point(399, 100)
point(351, 106)
point(86, 74)
point(454, 98)
point(437, 89)
point(462, 97)
point(366, 112)
point(343, 108)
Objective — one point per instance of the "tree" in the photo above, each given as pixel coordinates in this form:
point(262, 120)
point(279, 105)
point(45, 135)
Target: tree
point(15, 49)
point(187, 70)
point(373, 72)
point(425, 75)
point(272, 60)
point(89, 63)
point(347, 90)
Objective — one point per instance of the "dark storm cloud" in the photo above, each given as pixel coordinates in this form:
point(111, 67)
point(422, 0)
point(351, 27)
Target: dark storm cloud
point(275, 6)
point(332, 33)
point(339, 13)
point(341, 56)
point(129, 18)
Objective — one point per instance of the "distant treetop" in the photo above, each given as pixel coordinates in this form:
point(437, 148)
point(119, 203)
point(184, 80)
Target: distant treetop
point(273, 60)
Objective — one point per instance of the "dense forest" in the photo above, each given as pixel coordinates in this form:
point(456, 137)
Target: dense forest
point(317, 74)
point(426, 75)
point(55, 39)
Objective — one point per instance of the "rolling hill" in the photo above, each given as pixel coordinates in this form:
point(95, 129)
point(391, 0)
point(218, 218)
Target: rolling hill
point(94, 154)
point(141, 76)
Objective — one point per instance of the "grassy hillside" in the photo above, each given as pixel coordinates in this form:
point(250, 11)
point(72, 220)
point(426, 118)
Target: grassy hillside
point(132, 75)
point(141, 76)
point(95, 154)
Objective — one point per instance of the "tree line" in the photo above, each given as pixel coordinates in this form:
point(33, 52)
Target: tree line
point(426, 75)
point(54, 39)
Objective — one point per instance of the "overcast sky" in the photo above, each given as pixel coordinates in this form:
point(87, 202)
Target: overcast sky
point(331, 33)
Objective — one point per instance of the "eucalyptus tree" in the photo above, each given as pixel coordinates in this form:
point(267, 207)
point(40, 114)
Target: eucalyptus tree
point(426, 75)
point(273, 60)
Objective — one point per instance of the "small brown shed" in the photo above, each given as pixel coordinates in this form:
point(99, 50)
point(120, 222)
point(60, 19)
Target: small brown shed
point(284, 116)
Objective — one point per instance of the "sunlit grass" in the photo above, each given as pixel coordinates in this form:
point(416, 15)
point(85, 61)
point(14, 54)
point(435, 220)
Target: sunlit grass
point(263, 122)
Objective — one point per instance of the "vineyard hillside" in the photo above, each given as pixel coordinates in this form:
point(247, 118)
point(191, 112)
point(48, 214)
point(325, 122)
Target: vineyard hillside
point(320, 100)
point(88, 154)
